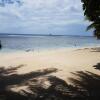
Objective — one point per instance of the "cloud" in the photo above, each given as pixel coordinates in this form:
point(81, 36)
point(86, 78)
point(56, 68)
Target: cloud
point(41, 16)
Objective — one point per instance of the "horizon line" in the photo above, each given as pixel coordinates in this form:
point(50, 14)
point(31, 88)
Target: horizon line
point(44, 34)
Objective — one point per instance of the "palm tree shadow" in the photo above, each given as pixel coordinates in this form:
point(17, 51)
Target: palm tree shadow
point(43, 86)
point(9, 78)
point(97, 66)
point(87, 85)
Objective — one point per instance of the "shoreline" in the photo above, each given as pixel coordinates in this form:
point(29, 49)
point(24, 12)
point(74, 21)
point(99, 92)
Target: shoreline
point(52, 57)
point(47, 50)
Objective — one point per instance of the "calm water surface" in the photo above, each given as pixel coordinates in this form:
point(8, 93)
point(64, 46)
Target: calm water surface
point(20, 43)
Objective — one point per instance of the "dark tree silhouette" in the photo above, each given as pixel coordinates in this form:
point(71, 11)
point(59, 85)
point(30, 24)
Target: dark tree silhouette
point(92, 12)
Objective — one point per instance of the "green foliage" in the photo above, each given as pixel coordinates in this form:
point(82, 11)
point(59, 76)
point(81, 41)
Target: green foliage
point(92, 12)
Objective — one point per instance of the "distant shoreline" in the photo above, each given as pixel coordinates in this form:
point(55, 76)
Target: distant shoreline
point(12, 34)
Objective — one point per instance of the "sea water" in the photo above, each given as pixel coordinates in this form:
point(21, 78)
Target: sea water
point(31, 42)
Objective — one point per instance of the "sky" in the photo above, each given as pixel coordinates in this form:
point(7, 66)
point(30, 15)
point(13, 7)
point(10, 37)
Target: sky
point(42, 17)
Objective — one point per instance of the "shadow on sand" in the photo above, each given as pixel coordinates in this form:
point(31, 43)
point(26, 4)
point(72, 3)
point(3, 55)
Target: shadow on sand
point(97, 66)
point(9, 78)
point(44, 86)
point(95, 49)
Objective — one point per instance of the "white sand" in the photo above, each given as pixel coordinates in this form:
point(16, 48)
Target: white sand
point(66, 61)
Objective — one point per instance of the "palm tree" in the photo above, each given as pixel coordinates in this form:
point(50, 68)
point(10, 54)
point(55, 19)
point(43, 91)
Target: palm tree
point(92, 12)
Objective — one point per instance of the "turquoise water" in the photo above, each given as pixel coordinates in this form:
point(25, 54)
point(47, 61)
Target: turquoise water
point(20, 43)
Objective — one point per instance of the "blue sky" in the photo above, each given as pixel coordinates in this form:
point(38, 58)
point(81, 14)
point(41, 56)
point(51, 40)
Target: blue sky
point(42, 17)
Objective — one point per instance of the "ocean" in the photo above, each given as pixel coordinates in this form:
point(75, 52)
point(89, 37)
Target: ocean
point(45, 42)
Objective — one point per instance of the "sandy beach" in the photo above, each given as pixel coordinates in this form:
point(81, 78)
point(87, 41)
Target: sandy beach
point(64, 60)
point(49, 49)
